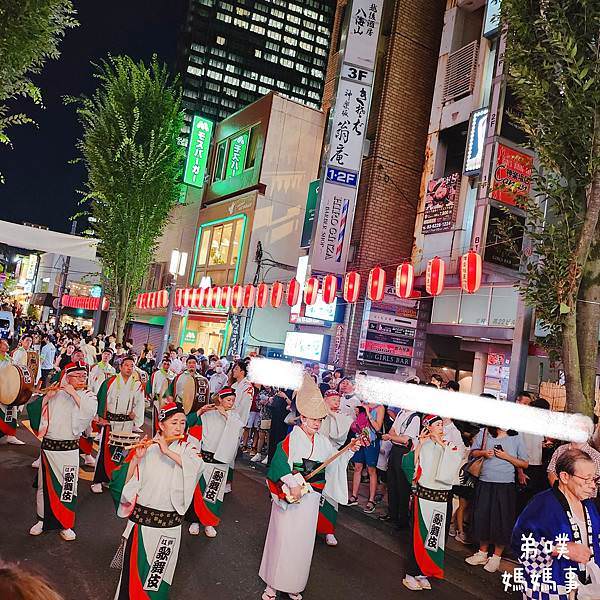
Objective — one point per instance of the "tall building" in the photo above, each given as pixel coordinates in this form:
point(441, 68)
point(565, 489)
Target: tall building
point(232, 53)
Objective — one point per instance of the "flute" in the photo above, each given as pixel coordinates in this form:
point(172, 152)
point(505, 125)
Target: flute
point(148, 443)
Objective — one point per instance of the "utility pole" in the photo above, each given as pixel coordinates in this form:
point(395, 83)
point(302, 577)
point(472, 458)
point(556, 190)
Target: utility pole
point(63, 278)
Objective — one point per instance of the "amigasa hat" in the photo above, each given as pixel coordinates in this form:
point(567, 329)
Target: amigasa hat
point(309, 400)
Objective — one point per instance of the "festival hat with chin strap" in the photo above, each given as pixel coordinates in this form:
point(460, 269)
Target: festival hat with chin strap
point(309, 400)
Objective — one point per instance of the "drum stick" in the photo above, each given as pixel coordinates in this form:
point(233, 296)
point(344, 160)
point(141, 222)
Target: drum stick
point(169, 439)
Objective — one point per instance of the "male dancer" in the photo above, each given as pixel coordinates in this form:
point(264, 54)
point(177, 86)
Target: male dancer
point(59, 417)
point(102, 371)
point(158, 389)
point(335, 427)
point(120, 408)
point(191, 372)
point(217, 429)
point(8, 414)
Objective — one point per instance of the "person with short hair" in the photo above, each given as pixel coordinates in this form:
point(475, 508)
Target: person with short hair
point(158, 389)
point(59, 417)
point(558, 532)
point(437, 381)
point(121, 404)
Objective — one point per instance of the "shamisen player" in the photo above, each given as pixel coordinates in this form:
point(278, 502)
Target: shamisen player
point(59, 417)
point(217, 428)
point(290, 538)
point(153, 489)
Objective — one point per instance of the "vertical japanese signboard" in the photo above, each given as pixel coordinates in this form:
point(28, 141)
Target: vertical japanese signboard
point(511, 180)
point(441, 203)
point(347, 129)
point(197, 155)
point(238, 147)
point(309, 215)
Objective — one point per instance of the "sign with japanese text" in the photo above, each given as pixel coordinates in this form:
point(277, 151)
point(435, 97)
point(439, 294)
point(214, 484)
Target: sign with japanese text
point(512, 175)
point(475, 141)
point(238, 147)
point(491, 24)
point(441, 203)
point(197, 155)
point(388, 334)
point(345, 140)
point(309, 215)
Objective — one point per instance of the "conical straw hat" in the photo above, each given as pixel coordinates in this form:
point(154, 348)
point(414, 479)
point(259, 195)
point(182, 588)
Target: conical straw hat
point(309, 400)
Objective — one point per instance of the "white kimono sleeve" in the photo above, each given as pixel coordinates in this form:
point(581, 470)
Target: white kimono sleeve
point(185, 478)
point(230, 439)
point(139, 406)
point(243, 402)
point(336, 477)
point(81, 417)
point(130, 491)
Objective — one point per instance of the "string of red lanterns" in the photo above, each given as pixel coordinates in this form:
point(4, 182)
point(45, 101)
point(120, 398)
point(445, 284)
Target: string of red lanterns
point(249, 295)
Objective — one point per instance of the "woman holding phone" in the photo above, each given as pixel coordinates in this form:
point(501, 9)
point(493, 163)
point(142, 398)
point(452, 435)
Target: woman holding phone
point(494, 502)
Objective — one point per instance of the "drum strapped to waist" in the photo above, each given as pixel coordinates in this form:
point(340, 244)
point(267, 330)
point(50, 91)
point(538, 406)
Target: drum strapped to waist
point(16, 385)
point(59, 445)
point(117, 417)
point(122, 439)
point(431, 495)
point(195, 393)
point(151, 517)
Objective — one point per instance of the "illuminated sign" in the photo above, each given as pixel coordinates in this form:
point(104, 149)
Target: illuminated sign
point(310, 346)
point(475, 141)
point(198, 147)
point(236, 160)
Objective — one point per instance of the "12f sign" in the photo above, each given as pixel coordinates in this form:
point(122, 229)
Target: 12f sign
point(349, 178)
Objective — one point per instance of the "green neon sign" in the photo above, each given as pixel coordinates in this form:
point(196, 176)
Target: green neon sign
point(198, 147)
point(236, 160)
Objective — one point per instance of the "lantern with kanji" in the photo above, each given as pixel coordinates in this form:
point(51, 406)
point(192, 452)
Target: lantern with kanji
point(330, 285)
point(262, 295)
point(249, 294)
point(376, 284)
point(237, 296)
point(351, 287)
point(276, 294)
point(434, 276)
point(470, 271)
point(405, 279)
point(293, 292)
point(311, 289)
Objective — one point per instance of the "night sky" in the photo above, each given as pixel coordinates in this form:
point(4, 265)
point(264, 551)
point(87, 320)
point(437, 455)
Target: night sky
point(41, 186)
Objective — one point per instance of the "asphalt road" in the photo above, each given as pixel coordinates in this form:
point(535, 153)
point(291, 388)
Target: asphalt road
point(367, 563)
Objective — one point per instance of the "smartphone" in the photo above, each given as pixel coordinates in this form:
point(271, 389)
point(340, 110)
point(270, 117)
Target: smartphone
point(498, 447)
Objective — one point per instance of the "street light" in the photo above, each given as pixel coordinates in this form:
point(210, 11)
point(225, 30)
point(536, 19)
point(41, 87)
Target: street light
point(176, 267)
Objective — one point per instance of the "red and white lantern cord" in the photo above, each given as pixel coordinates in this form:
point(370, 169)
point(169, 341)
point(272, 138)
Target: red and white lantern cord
point(273, 295)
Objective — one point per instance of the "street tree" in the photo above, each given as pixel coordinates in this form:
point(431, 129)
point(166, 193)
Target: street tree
point(134, 163)
point(553, 60)
point(30, 33)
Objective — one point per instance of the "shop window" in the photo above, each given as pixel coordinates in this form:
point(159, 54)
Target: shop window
point(219, 252)
point(220, 162)
point(453, 141)
point(503, 309)
point(474, 307)
point(252, 147)
point(445, 307)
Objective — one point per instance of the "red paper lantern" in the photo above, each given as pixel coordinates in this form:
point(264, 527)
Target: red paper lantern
point(351, 287)
point(293, 292)
point(330, 284)
point(262, 295)
point(249, 294)
point(225, 297)
point(310, 290)
point(434, 276)
point(276, 294)
point(237, 296)
point(204, 292)
point(405, 279)
point(376, 284)
point(471, 266)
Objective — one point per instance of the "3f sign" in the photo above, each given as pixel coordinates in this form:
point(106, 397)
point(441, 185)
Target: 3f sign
point(357, 74)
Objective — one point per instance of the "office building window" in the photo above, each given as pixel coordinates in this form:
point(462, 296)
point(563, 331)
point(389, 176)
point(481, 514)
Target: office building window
point(220, 40)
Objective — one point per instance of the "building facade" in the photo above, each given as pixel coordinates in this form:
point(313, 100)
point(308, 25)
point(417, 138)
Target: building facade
point(233, 52)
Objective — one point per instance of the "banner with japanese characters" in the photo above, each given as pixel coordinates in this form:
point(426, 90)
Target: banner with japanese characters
point(345, 140)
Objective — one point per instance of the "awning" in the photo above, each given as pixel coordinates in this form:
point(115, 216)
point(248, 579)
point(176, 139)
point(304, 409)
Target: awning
point(32, 238)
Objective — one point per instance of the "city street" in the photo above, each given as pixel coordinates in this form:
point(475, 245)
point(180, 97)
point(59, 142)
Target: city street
point(366, 564)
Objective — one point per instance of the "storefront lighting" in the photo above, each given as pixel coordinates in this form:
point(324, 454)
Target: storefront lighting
point(293, 292)
point(276, 294)
point(237, 296)
point(249, 293)
point(470, 271)
point(178, 262)
point(262, 295)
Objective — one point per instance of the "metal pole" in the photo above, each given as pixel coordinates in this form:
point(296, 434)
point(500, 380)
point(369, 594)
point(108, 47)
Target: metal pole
point(167, 326)
point(98, 314)
point(63, 277)
point(520, 349)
